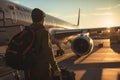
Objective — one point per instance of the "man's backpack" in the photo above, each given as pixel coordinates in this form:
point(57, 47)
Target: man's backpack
point(18, 48)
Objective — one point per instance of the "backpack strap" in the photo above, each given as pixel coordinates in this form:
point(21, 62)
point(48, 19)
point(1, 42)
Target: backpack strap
point(30, 45)
point(26, 50)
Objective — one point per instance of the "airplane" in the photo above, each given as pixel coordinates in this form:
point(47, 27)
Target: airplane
point(14, 17)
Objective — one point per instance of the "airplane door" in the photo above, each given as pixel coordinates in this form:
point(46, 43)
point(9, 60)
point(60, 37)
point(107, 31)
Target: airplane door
point(2, 18)
point(14, 16)
point(3, 35)
point(13, 13)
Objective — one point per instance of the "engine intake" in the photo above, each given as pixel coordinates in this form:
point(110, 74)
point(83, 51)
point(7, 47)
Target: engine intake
point(82, 45)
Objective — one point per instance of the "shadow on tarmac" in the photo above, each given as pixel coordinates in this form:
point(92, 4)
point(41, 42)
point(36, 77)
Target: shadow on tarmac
point(93, 70)
point(116, 47)
point(118, 76)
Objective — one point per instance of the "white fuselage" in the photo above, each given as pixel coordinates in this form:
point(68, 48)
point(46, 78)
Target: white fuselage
point(14, 17)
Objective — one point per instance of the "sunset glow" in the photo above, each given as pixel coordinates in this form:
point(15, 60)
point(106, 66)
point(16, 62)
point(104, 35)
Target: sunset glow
point(93, 13)
point(109, 22)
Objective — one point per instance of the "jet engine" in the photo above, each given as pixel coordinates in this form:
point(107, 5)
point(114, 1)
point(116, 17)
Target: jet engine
point(82, 45)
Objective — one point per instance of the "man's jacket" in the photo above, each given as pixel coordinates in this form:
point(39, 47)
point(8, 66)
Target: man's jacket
point(43, 54)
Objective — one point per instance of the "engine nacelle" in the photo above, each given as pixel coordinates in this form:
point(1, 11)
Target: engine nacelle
point(82, 45)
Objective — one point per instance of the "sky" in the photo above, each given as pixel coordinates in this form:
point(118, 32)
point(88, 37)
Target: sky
point(93, 13)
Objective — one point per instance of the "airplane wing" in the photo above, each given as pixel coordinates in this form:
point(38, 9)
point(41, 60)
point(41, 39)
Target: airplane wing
point(65, 33)
point(82, 44)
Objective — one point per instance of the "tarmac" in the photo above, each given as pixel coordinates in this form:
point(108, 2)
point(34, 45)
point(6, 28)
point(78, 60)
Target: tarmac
point(102, 64)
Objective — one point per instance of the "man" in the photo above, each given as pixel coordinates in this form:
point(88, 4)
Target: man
point(43, 54)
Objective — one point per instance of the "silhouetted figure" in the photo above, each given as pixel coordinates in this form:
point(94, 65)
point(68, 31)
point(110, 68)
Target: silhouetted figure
point(42, 51)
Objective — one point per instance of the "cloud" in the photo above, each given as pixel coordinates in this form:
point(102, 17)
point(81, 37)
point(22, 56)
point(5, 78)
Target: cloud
point(105, 8)
point(117, 6)
point(102, 14)
point(63, 17)
point(108, 8)
point(69, 16)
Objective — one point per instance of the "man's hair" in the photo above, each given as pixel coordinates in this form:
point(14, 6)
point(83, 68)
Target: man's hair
point(37, 15)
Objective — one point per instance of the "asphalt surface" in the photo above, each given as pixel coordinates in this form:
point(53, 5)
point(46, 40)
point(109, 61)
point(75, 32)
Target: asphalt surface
point(102, 64)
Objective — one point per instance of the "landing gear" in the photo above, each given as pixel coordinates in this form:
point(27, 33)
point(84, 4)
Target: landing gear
point(60, 52)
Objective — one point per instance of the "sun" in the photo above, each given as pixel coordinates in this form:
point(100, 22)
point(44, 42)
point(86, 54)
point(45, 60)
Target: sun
point(109, 22)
